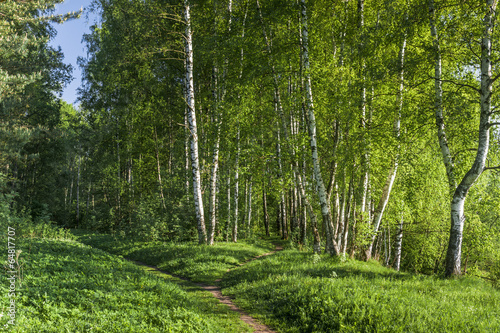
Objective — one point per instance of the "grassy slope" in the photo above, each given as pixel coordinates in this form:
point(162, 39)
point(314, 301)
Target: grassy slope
point(200, 263)
point(297, 292)
point(70, 287)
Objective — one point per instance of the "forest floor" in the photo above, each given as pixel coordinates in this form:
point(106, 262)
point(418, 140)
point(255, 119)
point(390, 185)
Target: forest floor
point(215, 290)
point(295, 291)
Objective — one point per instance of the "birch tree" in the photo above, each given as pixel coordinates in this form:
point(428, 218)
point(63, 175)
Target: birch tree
point(386, 190)
point(454, 252)
point(191, 116)
point(320, 186)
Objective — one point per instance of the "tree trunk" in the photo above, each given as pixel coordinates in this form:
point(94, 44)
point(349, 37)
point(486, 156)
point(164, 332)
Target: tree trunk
point(454, 253)
point(264, 203)
point(215, 165)
point(249, 216)
point(386, 191)
point(78, 192)
point(312, 214)
point(158, 168)
point(347, 216)
point(228, 226)
point(195, 163)
point(321, 190)
point(236, 186)
point(399, 244)
point(438, 102)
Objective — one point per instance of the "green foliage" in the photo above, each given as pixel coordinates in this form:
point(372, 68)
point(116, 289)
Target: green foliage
point(296, 294)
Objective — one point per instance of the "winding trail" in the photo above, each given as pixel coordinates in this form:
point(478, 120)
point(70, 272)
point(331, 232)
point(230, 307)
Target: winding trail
point(216, 291)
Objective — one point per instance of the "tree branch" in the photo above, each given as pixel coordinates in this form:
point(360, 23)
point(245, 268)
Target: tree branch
point(492, 168)
point(458, 84)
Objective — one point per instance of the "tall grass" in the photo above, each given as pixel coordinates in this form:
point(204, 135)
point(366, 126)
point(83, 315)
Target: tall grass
point(297, 292)
point(70, 287)
point(200, 263)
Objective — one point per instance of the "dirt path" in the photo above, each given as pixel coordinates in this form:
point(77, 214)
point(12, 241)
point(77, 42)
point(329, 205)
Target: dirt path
point(217, 293)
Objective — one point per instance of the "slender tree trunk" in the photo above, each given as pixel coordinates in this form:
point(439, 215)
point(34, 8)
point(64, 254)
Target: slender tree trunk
point(186, 151)
point(158, 168)
point(365, 158)
point(264, 203)
point(312, 214)
point(213, 186)
point(282, 214)
point(195, 163)
point(88, 199)
point(386, 191)
point(245, 211)
point(236, 186)
point(78, 191)
point(438, 102)
point(399, 244)
point(215, 166)
point(347, 216)
point(71, 187)
point(249, 218)
point(118, 173)
point(228, 226)
point(321, 190)
point(454, 253)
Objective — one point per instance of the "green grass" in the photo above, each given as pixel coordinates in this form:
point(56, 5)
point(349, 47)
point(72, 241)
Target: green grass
point(70, 287)
point(200, 263)
point(298, 292)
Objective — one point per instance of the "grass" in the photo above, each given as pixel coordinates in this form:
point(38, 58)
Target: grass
point(70, 287)
point(298, 292)
point(199, 263)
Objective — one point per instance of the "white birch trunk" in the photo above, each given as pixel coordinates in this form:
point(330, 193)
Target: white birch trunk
point(195, 163)
point(228, 226)
point(347, 217)
point(264, 204)
point(386, 191)
point(317, 241)
point(236, 186)
point(78, 191)
point(365, 159)
point(249, 216)
point(438, 102)
point(215, 161)
point(398, 245)
point(454, 253)
point(321, 190)
point(213, 185)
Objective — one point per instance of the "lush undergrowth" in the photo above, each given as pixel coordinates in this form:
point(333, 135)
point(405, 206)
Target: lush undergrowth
point(299, 292)
point(65, 286)
point(199, 263)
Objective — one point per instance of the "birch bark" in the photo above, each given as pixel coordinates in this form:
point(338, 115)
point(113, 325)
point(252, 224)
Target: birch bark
point(236, 186)
point(399, 244)
point(454, 252)
point(321, 190)
point(195, 163)
point(386, 191)
point(438, 102)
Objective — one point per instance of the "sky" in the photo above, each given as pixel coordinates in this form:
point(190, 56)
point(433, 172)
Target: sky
point(69, 38)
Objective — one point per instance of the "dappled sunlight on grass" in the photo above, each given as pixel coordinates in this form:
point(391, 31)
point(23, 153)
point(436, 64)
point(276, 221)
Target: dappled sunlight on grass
point(70, 287)
point(200, 263)
point(297, 292)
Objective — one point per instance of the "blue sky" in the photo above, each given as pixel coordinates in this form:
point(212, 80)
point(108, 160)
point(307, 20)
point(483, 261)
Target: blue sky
point(69, 37)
